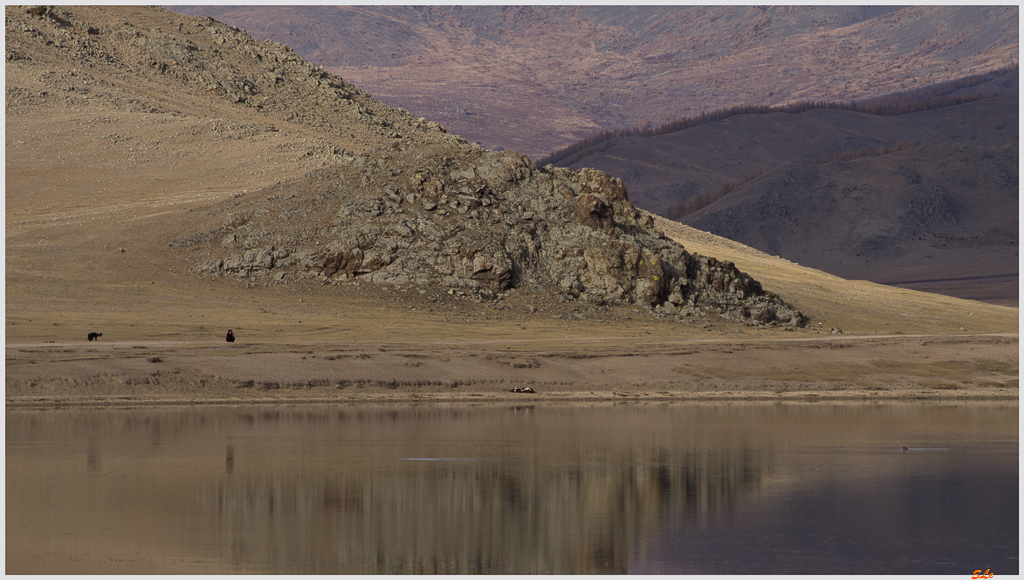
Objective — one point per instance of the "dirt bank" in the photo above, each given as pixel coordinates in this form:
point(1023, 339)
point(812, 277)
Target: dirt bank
point(820, 368)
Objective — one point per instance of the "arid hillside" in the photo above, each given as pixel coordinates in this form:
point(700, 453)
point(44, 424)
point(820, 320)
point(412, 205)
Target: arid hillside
point(119, 119)
point(535, 78)
point(169, 178)
point(121, 101)
point(489, 71)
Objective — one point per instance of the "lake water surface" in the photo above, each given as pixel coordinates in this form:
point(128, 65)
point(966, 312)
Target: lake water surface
point(693, 488)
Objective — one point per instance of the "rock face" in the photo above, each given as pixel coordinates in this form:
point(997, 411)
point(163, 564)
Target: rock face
point(459, 216)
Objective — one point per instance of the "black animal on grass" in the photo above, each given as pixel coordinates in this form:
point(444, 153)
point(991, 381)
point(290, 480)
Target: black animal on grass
point(95, 336)
point(230, 337)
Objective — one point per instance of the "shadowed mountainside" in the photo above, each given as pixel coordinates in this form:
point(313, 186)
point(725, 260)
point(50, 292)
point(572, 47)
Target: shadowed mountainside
point(536, 78)
point(937, 213)
point(679, 172)
point(663, 170)
point(951, 93)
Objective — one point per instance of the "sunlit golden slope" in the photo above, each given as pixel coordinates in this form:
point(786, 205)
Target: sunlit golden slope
point(852, 305)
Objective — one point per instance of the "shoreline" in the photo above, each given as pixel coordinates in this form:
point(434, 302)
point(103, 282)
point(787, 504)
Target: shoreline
point(122, 403)
point(828, 368)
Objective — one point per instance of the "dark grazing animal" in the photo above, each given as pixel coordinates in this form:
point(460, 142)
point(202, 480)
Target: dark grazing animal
point(95, 336)
point(230, 337)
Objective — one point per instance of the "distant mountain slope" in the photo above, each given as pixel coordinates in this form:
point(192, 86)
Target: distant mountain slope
point(938, 213)
point(662, 170)
point(536, 78)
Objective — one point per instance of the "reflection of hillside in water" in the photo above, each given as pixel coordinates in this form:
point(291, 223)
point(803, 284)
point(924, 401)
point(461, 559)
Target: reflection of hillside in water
point(497, 489)
point(425, 490)
point(537, 508)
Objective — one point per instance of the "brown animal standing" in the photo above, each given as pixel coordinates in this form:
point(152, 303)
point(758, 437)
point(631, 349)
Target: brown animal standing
point(95, 336)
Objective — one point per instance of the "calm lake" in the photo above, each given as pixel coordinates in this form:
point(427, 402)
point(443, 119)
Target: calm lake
point(650, 488)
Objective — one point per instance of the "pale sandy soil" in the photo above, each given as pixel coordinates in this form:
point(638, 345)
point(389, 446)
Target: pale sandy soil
point(870, 368)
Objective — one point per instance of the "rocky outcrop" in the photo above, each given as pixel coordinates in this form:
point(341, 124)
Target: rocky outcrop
point(416, 205)
point(458, 216)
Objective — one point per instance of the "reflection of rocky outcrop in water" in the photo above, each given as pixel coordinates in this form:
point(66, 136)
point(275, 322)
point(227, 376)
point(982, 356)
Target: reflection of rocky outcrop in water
point(442, 517)
point(416, 489)
point(729, 488)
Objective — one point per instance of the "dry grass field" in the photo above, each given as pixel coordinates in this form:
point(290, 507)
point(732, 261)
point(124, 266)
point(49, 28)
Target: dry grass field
point(94, 194)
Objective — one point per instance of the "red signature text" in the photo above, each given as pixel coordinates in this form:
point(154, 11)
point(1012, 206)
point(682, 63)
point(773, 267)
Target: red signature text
point(978, 574)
